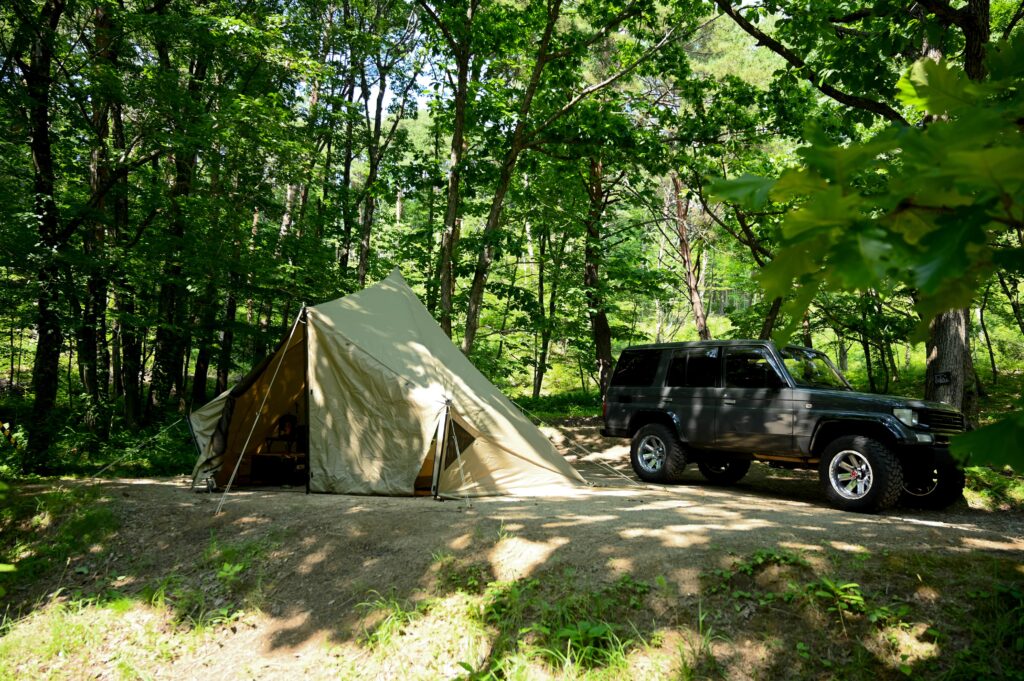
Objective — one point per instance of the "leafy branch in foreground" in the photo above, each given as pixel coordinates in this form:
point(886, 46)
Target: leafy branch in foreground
point(937, 206)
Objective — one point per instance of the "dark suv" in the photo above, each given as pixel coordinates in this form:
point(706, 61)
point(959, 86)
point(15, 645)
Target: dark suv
point(723, 404)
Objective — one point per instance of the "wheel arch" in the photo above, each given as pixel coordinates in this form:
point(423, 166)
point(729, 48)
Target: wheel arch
point(828, 430)
point(667, 419)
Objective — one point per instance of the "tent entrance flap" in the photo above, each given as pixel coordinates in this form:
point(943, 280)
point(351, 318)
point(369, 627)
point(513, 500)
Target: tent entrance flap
point(265, 432)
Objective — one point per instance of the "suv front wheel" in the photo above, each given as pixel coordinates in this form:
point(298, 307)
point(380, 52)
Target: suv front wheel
point(860, 474)
point(656, 454)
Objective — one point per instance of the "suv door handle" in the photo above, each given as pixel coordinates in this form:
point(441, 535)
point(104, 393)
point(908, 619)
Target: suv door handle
point(728, 401)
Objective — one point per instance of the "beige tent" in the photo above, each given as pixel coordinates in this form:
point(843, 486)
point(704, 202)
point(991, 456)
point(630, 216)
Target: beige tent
point(369, 396)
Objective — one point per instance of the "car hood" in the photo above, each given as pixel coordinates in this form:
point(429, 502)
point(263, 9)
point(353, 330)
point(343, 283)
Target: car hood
point(860, 401)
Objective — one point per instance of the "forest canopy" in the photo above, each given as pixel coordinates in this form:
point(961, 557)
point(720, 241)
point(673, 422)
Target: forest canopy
point(556, 179)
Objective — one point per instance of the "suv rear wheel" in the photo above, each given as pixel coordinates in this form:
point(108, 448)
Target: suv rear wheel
point(656, 454)
point(937, 484)
point(860, 474)
point(724, 471)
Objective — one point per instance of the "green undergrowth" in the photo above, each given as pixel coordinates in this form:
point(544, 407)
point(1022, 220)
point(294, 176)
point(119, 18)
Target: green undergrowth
point(567, 405)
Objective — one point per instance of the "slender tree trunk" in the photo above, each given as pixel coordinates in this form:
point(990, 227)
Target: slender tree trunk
point(452, 220)
point(131, 357)
point(866, 347)
point(770, 319)
point(1009, 286)
point(592, 252)
point(227, 335)
point(988, 339)
point(682, 209)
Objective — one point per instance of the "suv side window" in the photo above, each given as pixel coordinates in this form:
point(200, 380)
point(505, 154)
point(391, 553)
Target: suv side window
point(693, 368)
point(750, 368)
point(636, 368)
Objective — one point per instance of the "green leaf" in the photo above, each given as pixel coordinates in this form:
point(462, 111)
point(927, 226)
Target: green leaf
point(748, 191)
point(794, 183)
point(999, 444)
point(936, 88)
point(825, 210)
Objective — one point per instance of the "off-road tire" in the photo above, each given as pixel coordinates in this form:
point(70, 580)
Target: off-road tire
point(724, 471)
point(935, 485)
point(656, 454)
point(860, 474)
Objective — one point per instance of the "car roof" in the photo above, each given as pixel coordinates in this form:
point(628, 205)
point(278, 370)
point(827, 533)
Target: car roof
point(712, 344)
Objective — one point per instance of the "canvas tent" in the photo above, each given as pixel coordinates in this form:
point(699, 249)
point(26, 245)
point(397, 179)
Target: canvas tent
point(385, 404)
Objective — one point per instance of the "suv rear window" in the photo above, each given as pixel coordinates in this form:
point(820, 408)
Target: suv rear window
point(693, 368)
point(636, 368)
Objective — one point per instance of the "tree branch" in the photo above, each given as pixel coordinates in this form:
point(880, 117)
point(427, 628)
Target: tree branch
point(855, 101)
point(1017, 16)
point(587, 91)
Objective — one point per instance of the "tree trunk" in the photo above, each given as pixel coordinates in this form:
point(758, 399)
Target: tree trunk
point(1009, 286)
point(866, 347)
point(592, 252)
point(46, 366)
point(452, 220)
point(227, 336)
point(946, 348)
point(770, 319)
point(682, 209)
point(131, 357)
point(988, 339)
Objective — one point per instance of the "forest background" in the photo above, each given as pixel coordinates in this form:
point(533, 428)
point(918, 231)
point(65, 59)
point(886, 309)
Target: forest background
point(556, 179)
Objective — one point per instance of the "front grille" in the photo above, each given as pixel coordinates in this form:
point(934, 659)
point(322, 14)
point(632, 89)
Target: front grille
point(941, 421)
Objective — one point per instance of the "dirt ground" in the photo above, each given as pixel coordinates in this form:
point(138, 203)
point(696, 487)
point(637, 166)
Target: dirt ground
point(328, 552)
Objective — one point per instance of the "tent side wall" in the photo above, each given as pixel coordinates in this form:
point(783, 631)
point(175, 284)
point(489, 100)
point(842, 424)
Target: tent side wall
point(369, 428)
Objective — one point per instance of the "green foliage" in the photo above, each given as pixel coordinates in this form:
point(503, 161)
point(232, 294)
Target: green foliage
point(930, 206)
point(995, 489)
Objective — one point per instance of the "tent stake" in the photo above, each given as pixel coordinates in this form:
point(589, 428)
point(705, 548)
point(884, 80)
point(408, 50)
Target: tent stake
point(259, 412)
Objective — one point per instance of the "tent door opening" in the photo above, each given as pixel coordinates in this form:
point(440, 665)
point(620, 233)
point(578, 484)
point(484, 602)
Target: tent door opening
point(264, 431)
point(454, 439)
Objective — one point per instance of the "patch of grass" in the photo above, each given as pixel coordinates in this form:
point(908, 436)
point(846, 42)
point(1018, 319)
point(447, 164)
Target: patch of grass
point(563, 622)
point(994, 490)
point(46, 531)
point(66, 638)
point(392, 615)
point(466, 577)
point(228, 581)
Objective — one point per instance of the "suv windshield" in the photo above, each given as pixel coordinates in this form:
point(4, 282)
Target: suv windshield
point(811, 369)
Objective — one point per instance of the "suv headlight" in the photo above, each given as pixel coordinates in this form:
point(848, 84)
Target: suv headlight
point(907, 416)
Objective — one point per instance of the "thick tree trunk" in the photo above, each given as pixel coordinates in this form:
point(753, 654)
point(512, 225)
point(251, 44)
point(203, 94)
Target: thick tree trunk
point(944, 375)
point(46, 366)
